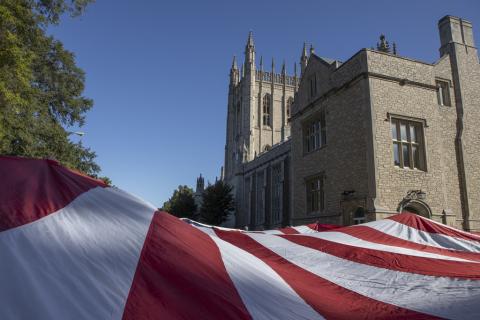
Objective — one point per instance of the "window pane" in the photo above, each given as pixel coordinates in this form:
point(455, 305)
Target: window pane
point(403, 131)
point(439, 94)
point(445, 94)
point(413, 133)
point(416, 157)
point(394, 130)
point(396, 154)
point(406, 156)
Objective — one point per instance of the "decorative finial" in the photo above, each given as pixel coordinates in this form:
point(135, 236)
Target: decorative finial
point(383, 46)
point(394, 48)
point(250, 39)
point(234, 63)
point(273, 64)
point(295, 69)
point(261, 63)
point(304, 51)
point(283, 67)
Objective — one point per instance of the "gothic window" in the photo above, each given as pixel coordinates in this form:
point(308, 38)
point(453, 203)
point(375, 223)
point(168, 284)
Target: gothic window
point(260, 207)
point(239, 118)
point(313, 85)
point(248, 199)
point(277, 194)
point(267, 107)
point(315, 194)
point(443, 93)
point(289, 107)
point(314, 133)
point(359, 216)
point(408, 145)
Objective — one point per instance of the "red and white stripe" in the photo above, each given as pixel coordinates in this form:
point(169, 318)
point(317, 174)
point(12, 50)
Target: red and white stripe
point(73, 248)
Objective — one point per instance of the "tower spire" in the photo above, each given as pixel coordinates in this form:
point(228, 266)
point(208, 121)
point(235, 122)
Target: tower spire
point(250, 51)
point(303, 59)
point(234, 63)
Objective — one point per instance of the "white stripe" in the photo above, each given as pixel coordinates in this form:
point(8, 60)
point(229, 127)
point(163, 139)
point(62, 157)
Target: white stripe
point(347, 239)
point(304, 229)
point(439, 296)
point(405, 232)
point(265, 294)
point(272, 232)
point(76, 263)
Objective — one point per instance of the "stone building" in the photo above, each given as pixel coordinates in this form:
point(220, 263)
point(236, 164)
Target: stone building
point(370, 137)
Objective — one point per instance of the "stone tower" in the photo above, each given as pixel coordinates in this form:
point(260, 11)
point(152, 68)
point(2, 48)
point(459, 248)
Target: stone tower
point(259, 103)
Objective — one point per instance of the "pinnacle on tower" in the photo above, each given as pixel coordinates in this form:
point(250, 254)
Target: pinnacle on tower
point(283, 68)
point(312, 49)
point(261, 63)
point(304, 51)
point(234, 63)
point(250, 53)
point(273, 65)
point(250, 43)
point(303, 59)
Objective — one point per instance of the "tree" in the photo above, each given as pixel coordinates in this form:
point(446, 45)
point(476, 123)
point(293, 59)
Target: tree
point(40, 85)
point(217, 203)
point(181, 204)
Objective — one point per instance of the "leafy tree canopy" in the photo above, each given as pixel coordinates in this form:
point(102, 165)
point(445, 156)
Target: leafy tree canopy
point(41, 88)
point(181, 204)
point(217, 203)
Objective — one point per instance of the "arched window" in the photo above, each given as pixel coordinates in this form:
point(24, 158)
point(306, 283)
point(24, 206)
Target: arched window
point(289, 107)
point(267, 147)
point(239, 119)
point(267, 106)
point(359, 216)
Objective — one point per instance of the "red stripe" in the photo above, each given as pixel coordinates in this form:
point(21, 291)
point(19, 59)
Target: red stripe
point(181, 275)
point(31, 189)
point(389, 260)
point(420, 223)
point(327, 298)
point(322, 226)
point(289, 230)
point(373, 235)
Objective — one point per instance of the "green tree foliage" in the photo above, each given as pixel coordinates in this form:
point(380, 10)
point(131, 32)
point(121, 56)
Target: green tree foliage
point(181, 204)
point(217, 203)
point(40, 85)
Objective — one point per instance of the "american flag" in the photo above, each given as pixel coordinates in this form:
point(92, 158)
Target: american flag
point(73, 248)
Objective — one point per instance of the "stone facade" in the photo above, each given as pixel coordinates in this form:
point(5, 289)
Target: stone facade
point(348, 121)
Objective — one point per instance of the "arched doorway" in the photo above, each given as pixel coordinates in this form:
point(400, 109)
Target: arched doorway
point(418, 207)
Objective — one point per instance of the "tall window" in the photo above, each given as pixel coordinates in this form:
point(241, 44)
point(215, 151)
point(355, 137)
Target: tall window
point(239, 118)
point(443, 93)
point(408, 145)
point(277, 194)
point(260, 208)
point(315, 133)
point(267, 106)
point(289, 107)
point(315, 194)
point(313, 85)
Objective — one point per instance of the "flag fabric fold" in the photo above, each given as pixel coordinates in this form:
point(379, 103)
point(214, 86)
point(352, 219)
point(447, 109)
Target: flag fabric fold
point(73, 248)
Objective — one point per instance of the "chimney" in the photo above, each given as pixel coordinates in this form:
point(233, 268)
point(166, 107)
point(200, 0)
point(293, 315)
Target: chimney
point(454, 30)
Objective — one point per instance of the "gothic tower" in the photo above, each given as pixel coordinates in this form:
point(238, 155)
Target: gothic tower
point(259, 103)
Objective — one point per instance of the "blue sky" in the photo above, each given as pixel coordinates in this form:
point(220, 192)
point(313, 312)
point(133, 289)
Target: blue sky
point(158, 70)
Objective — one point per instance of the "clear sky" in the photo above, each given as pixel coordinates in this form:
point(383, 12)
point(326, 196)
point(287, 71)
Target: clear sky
point(158, 70)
